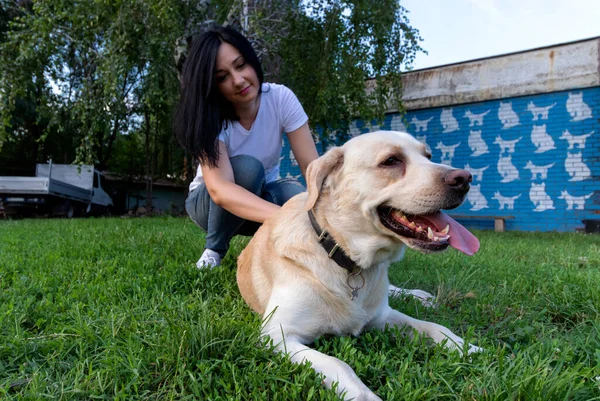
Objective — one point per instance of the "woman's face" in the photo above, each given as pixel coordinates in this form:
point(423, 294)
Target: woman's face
point(235, 78)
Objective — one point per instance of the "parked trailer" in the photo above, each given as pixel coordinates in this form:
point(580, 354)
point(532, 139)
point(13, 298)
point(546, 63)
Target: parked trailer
point(58, 190)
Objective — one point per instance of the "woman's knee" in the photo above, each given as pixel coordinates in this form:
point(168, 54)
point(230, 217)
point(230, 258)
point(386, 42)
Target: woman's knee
point(197, 207)
point(248, 172)
point(283, 190)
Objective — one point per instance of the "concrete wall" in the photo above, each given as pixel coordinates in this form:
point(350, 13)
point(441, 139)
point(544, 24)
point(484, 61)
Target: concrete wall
point(551, 69)
point(526, 125)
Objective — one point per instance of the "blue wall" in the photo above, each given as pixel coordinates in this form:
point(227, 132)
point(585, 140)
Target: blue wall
point(536, 158)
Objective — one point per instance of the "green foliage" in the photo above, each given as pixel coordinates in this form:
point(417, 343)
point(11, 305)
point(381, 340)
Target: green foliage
point(115, 309)
point(75, 77)
point(128, 156)
point(344, 60)
point(99, 65)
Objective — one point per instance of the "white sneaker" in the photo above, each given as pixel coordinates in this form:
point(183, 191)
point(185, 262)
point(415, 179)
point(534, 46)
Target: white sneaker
point(208, 260)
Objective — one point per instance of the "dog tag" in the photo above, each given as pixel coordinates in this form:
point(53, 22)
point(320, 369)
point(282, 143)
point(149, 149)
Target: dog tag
point(355, 289)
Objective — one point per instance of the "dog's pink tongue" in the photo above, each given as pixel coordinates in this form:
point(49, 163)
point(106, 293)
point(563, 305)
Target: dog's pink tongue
point(460, 237)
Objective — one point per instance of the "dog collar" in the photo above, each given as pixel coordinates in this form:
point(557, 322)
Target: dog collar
point(334, 251)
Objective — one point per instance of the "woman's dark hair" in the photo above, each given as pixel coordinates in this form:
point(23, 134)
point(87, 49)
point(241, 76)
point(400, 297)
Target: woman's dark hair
point(203, 111)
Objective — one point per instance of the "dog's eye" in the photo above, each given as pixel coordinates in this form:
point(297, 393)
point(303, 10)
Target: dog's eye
point(391, 161)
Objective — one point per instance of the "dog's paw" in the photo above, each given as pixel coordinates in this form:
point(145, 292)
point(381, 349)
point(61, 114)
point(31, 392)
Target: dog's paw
point(470, 348)
point(363, 396)
point(457, 344)
point(474, 349)
point(357, 391)
point(426, 299)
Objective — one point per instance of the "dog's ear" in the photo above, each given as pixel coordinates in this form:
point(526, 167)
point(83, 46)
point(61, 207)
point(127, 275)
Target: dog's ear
point(318, 170)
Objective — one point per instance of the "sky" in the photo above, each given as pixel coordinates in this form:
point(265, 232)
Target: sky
point(461, 30)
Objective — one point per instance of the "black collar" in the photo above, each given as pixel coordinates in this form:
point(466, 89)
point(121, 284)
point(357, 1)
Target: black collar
point(334, 251)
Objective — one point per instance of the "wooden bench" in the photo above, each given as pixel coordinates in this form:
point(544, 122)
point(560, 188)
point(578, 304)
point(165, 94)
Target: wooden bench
point(499, 221)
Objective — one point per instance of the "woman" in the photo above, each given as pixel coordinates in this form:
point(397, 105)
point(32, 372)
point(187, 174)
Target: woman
point(233, 122)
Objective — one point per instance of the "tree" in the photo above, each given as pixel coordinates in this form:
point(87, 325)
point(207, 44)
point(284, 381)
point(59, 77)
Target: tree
point(349, 62)
point(77, 78)
point(21, 98)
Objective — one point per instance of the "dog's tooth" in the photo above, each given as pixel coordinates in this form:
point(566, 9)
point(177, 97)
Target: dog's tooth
point(430, 233)
point(399, 214)
point(412, 225)
point(446, 230)
point(419, 229)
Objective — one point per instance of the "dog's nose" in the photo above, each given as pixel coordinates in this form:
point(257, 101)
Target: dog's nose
point(458, 179)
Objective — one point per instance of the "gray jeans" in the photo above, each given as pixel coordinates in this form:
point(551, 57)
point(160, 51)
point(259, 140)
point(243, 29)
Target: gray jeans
point(221, 225)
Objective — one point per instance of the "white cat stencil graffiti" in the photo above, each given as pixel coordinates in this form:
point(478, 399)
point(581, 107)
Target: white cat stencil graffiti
point(477, 144)
point(576, 168)
point(423, 140)
point(477, 173)
point(539, 197)
point(541, 139)
point(476, 198)
point(577, 108)
point(506, 146)
point(354, 130)
point(538, 111)
point(507, 170)
point(475, 119)
point(397, 123)
point(447, 152)
point(575, 140)
point(420, 125)
point(507, 201)
point(372, 127)
point(448, 121)
point(507, 115)
point(289, 175)
point(316, 137)
point(293, 159)
point(577, 201)
point(540, 172)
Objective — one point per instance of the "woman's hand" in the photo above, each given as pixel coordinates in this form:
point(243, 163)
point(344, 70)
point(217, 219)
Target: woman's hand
point(227, 194)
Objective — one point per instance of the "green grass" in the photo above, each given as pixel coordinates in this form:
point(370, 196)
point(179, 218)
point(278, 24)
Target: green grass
point(114, 309)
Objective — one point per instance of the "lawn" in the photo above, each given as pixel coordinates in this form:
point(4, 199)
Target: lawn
point(114, 309)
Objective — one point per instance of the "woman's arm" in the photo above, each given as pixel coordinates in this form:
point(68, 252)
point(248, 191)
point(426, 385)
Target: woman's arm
point(226, 193)
point(303, 146)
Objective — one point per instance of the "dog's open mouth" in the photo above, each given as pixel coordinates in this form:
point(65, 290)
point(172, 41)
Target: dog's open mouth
point(411, 226)
point(431, 232)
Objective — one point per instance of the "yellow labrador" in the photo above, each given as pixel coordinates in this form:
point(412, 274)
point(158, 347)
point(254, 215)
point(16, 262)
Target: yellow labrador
point(320, 265)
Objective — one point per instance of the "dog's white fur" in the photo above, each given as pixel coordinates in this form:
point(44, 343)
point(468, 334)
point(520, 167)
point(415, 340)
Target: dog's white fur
point(286, 276)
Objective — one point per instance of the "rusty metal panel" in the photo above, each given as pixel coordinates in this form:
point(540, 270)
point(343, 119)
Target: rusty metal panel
point(568, 66)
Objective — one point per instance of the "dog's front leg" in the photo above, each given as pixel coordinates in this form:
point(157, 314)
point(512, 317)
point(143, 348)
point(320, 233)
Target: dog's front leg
point(426, 299)
point(436, 332)
point(350, 387)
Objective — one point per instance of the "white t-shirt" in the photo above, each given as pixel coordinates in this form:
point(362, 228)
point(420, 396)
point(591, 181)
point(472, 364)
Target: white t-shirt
point(279, 112)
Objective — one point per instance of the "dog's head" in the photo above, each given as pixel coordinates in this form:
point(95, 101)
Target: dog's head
point(384, 184)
